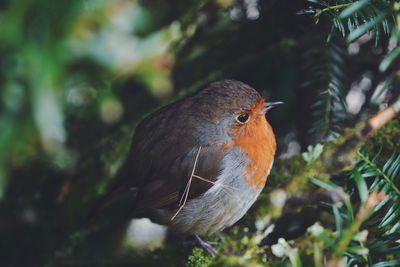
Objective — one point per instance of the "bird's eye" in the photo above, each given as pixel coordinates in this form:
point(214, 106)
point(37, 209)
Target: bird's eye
point(243, 118)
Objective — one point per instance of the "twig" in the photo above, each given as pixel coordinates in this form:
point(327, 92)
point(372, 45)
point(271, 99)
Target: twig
point(345, 154)
point(331, 8)
point(187, 188)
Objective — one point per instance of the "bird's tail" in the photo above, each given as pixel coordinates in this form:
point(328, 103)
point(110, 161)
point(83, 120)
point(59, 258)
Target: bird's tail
point(115, 205)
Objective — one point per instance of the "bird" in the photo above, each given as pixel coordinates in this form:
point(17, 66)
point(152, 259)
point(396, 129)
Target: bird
point(197, 165)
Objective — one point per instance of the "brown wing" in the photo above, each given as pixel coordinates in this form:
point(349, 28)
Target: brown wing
point(165, 188)
point(161, 161)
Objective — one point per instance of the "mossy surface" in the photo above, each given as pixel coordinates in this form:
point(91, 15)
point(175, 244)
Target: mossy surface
point(283, 171)
point(198, 258)
point(385, 140)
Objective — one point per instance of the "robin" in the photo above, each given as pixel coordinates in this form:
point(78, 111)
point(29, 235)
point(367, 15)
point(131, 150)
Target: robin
point(197, 165)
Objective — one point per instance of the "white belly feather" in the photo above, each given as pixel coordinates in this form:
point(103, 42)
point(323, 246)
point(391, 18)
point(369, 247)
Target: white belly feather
point(220, 206)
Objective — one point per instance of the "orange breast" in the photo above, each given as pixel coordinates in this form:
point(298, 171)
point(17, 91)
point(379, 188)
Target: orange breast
point(257, 140)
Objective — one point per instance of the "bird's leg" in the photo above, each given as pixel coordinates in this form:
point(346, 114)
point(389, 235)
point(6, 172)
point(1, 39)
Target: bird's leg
point(205, 245)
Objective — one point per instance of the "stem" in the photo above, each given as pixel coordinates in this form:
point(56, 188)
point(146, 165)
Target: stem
point(331, 8)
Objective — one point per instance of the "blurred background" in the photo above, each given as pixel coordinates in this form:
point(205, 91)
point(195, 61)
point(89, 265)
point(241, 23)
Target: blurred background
point(77, 76)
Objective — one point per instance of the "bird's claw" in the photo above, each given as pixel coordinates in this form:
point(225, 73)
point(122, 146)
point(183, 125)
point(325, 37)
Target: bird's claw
point(205, 245)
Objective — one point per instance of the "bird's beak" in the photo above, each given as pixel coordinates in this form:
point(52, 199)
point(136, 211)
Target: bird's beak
point(269, 105)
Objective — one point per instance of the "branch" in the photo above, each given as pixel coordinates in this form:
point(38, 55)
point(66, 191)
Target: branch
point(338, 155)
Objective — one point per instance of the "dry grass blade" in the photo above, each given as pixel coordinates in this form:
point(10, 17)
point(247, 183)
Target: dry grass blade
point(185, 194)
point(215, 183)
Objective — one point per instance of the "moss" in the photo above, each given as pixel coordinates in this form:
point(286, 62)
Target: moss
point(284, 170)
point(241, 251)
point(199, 258)
point(385, 140)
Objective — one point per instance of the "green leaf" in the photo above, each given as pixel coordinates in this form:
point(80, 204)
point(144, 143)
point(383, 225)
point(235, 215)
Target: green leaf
point(307, 11)
point(366, 27)
point(393, 230)
point(388, 163)
point(395, 249)
point(386, 188)
point(338, 221)
point(387, 263)
point(313, 152)
point(326, 239)
point(394, 168)
point(324, 184)
point(361, 186)
point(381, 204)
point(350, 212)
point(392, 214)
point(388, 82)
point(372, 173)
point(353, 8)
point(355, 249)
point(388, 60)
point(383, 241)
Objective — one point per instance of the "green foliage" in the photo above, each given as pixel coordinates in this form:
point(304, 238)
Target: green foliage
point(326, 69)
point(354, 18)
point(347, 21)
point(198, 258)
point(366, 230)
point(313, 152)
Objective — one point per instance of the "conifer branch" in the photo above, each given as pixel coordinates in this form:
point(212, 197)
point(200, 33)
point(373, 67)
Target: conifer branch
point(341, 153)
